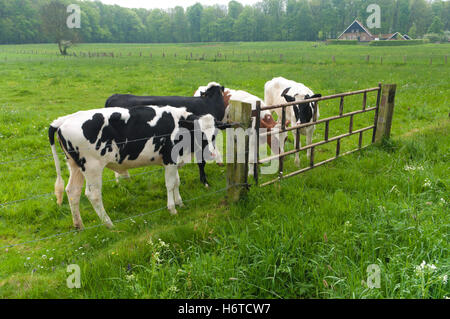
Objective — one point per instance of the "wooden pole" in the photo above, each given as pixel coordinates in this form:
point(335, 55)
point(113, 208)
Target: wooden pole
point(385, 112)
point(237, 173)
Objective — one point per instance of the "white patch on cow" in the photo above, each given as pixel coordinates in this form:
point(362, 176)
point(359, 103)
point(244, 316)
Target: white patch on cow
point(272, 96)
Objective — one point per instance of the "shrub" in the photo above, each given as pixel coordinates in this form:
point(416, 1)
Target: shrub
point(435, 37)
point(345, 42)
point(392, 43)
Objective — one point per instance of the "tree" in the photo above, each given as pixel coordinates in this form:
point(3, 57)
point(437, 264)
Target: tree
point(180, 25)
point(436, 26)
point(54, 23)
point(194, 14)
point(413, 31)
point(234, 9)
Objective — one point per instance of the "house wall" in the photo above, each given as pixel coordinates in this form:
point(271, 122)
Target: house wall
point(355, 35)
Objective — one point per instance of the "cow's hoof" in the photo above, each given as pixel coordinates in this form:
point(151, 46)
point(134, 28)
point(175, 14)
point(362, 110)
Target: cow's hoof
point(172, 211)
point(110, 225)
point(79, 227)
point(180, 204)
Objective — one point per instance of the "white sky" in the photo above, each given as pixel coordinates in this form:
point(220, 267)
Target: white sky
point(165, 4)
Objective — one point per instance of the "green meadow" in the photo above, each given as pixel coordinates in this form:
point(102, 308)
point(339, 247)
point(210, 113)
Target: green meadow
point(310, 236)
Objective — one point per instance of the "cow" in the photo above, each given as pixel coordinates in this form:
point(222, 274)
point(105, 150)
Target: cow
point(120, 139)
point(266, 122)
point(213, 102)
point(279, 91)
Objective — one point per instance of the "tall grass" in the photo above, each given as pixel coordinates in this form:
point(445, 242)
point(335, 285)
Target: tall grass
point(312, 236)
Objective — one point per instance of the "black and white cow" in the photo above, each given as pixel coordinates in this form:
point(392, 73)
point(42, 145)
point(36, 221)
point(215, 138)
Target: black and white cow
point(120, 139)
point(279, 91)
point(212, 102)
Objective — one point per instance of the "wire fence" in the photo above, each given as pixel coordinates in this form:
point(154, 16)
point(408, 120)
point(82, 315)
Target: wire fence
point(115, 222)
point(3, 205)
point(110, 145)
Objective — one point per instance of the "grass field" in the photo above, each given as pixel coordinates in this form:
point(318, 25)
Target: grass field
point(313, 236)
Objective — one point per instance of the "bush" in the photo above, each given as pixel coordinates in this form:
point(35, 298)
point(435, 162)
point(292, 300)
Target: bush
point(435, 37)
point(345, 42)
point(392, 43)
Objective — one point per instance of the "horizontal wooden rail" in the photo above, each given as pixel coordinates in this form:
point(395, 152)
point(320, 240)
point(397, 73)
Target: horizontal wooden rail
point(336, 117)
point(317, 99)
point(313, 166)
point(335, 138)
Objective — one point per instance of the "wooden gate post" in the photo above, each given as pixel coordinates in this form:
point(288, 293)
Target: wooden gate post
point(237, 173)
point(385, 112)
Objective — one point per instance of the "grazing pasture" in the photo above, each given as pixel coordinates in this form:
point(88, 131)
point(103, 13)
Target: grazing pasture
point(312, 236)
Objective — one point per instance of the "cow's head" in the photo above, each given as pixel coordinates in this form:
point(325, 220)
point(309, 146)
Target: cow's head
point(303, 111)
point(213, 89)
point(207, 125)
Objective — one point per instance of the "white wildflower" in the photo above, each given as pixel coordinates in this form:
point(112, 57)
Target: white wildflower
point(427, 183)
point(44, 257)
point(173, 289)
point(413, 168)
point(162, 243)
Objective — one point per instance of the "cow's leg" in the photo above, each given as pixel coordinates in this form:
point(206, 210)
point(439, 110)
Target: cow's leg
point(297, 155)
point(251, 154)
point(176, 191)
point(73, 190)
point(219, 158)
point(171, 180)
point(121, 175)
point(93, 175)
point(309, 137)
point(201, 169)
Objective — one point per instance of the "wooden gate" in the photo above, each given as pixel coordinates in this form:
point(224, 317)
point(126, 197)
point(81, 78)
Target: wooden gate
point(383, 112)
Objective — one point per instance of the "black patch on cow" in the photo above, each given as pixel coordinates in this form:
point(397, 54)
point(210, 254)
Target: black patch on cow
point(303, 111)
point(73, 152)
point(92, 127)
point(132, 136)
point(51, 134)
point(211, 102)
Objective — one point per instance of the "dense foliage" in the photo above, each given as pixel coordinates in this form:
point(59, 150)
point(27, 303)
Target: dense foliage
point(268, 20)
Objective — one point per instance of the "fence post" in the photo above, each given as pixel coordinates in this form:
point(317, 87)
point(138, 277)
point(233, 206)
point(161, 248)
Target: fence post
point(237, 173)
point(385, 112)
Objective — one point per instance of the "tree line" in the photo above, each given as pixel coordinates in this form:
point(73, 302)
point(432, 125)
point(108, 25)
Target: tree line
point(24, 21)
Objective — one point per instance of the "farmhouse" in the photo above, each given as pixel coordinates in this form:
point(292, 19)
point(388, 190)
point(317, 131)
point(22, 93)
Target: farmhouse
point(356, 31)
point(392, 36)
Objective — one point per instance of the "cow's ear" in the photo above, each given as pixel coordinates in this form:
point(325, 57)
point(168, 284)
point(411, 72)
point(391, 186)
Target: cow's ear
point(288, 98)
point(316, 96)
point(285, 92)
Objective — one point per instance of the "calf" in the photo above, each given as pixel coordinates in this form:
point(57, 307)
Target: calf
point(279, 91)
point(213, 102)
point(266, 122)
point(120, 139)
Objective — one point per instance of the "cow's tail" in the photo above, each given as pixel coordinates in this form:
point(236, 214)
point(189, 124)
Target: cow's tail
point(59, 184)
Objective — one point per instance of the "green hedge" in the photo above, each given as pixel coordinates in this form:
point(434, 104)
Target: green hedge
point(392, 43)
point(346, 42)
